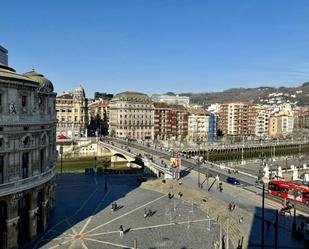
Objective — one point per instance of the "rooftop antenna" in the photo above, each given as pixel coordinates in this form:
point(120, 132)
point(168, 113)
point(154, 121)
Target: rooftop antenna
point(32, 67)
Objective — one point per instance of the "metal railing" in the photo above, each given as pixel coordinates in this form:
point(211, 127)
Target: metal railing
point(121, 150)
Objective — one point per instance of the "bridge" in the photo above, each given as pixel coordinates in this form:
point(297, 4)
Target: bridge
point(151, 168)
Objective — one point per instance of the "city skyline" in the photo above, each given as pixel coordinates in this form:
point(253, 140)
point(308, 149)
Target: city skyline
point(156, 47)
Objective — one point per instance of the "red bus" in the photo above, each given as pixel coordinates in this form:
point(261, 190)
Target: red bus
point(288, 190)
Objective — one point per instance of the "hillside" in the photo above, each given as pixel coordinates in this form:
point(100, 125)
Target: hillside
point(263, 95)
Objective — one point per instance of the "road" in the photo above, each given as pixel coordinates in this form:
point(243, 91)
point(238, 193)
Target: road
point(247, 182)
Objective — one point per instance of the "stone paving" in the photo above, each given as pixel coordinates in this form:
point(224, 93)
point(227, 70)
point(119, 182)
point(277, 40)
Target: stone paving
point(83, 217)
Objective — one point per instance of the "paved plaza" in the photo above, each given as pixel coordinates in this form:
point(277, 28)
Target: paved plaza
point(83, 217)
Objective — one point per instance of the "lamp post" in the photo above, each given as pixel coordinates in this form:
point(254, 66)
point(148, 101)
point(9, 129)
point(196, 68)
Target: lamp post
point(61, 153)
point(199, 177)
point(263, 203)
point(105, 167)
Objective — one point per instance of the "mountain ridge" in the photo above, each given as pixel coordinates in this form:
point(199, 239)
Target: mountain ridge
point(298, 95)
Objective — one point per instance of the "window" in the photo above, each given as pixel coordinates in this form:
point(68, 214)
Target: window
point(0, 99)
point(23, 101)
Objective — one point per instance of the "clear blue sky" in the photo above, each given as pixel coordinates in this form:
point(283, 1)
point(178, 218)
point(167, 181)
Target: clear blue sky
point(156, 46)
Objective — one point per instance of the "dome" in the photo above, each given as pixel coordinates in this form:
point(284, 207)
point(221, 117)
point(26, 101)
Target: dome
point(133, 97)
point(40, 79)
point(79, 89)
point(10, 74)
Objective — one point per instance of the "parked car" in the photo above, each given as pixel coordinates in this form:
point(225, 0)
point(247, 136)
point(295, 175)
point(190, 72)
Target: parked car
point(232, 180)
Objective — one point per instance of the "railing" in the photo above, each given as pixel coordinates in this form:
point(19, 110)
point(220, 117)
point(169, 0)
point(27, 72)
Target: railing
point(153, 164)
point(27, 183)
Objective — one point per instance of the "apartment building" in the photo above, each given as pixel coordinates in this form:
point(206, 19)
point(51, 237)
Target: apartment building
point(237, 118)
point(131, 116)
point(72, 113)
point(198, 124)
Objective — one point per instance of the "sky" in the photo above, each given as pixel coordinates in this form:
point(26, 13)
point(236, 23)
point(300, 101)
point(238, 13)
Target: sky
point(157, 46)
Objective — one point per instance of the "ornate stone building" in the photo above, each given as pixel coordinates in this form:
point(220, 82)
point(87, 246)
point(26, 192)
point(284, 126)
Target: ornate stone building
point(131, 116)
point(27, 155)
point(72, 113)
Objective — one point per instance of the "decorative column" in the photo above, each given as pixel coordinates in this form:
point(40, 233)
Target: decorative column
point(33, 211)
point(33, 222)
point(12, 221)
point(12, 232)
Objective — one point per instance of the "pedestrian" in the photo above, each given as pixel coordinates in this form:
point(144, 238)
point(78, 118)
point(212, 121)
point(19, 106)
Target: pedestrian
point(230, 206)
point(149, 212)
point(220, 187)
point(145, 213)
point(233, 206)
point(121, 231)
point(217, 179)
point(241, 219)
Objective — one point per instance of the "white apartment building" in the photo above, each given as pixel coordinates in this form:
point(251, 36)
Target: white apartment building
point(171, 99)
point(198, 124)
point(262, 121)
point(287, 124)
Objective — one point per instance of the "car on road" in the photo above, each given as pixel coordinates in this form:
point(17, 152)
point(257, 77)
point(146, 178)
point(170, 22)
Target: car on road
point(232, 180)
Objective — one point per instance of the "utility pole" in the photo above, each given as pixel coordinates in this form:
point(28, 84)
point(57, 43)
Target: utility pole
point(227, 233)
point(262, 232)
point(199, 168)
point(61, 162)
point(242, 150)
point(276, 229)
point(207, 168)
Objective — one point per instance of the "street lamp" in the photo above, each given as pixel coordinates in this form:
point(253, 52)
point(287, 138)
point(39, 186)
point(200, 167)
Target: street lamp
point(199, 173)
point(61, 153)
point(105, 165)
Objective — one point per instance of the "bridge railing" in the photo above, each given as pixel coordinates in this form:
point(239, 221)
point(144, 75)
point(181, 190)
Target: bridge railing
point(125, 152)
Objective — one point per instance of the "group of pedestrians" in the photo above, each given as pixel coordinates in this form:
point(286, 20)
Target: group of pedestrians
point(148, 213)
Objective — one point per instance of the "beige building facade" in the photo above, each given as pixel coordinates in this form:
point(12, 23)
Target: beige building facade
point(281, 125)
point(198, 124)
point(72, 113)
point(27, 155)
point(131, 116)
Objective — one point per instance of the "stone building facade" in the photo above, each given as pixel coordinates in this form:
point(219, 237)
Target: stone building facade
point(131, 116)
point(72, 113)
point(27, 155)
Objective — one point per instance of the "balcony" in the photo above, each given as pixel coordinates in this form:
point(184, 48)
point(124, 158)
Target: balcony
point(27, 183)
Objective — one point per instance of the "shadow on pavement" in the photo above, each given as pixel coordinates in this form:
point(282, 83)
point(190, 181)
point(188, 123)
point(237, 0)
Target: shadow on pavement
point(286, 240)
point(80, 196)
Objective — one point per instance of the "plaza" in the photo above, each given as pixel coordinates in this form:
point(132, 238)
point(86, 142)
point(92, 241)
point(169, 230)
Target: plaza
point(83, 218)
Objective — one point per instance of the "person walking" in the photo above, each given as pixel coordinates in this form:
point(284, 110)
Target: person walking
point(121, 231)
point(145, 213)
point(241, 219)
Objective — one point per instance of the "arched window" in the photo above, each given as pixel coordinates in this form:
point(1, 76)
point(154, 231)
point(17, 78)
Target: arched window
point(26, 141)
